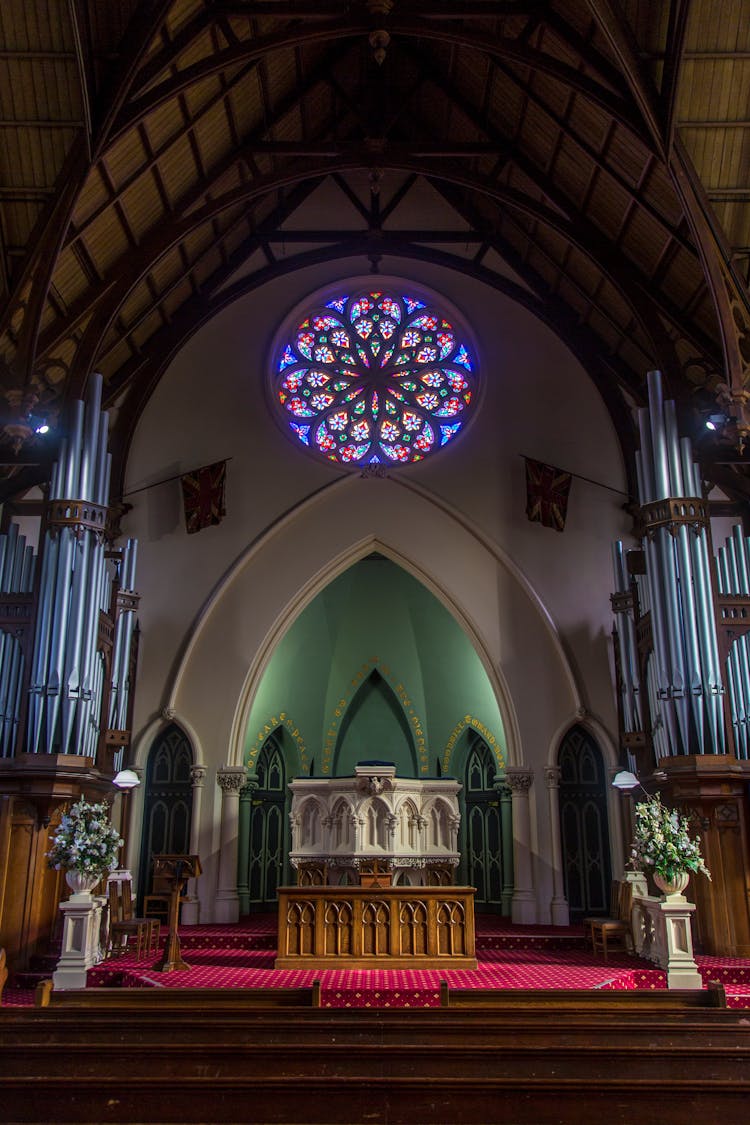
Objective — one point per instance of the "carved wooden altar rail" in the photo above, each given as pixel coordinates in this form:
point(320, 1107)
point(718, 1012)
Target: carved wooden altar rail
point(366, 928)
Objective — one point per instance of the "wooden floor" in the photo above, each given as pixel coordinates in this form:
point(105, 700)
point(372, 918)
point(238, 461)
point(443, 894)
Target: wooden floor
point(615, 1058)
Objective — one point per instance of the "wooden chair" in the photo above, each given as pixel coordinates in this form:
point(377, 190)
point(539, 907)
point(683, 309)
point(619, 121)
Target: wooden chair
point(123, 926)
point(157, 902)
point(617, 927)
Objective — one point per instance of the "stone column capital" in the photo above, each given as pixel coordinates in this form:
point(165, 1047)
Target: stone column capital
point(552, 776)
point(519, 779)
point(230, 779)
point(197, 775)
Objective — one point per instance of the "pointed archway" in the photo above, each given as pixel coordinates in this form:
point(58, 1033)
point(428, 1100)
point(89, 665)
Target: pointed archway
point(584, 828)
point(168, 802)
point(375, 726)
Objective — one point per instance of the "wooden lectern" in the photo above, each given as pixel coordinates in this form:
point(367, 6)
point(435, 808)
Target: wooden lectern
point(176, 869)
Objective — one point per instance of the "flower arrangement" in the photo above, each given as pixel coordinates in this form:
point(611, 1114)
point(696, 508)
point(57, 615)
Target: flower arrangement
point(85, 841)
point(662, 841)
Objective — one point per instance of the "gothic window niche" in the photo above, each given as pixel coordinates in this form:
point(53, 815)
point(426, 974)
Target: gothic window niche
point(268, 845)
point(168, 803)
point(583, 825)
point(483, 836)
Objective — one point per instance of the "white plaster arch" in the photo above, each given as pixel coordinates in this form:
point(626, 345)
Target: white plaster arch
point(241, 622)
point(141, 749)
point(609, 750)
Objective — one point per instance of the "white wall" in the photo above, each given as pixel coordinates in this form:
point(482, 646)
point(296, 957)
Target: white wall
point(535, 602)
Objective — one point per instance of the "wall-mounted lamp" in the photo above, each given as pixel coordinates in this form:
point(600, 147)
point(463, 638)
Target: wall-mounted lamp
point(126, 780)
point(626, 780)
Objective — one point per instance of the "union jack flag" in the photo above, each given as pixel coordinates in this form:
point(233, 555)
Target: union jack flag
point(547, 490)
point(203, 496)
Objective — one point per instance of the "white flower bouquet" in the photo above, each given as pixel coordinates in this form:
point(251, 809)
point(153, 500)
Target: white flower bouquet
point(85, 841)
point(662, 841)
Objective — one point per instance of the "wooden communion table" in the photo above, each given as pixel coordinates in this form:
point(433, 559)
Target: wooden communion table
point(400, 927)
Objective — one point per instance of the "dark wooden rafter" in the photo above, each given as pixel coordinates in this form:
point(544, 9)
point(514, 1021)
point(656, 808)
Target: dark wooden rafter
point(589, 241)
point(679, 12)
point(425, 9)
point(595, 156)
point(612, 102)
point(52, 225)
point(142, 375)
point(81, 29)
point(549, 189)
point(202, 187)
point(614, 28)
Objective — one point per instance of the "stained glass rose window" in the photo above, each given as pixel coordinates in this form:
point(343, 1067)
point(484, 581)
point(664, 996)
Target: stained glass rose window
point(375, 377)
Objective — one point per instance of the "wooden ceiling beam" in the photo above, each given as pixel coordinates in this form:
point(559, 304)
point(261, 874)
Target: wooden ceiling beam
point(614, 28)
point(51, 227)
point(596, 157)
point(587, 238)
point(56, 332)
point(505, 48)
point(424, 9)
point(679, 13)
point(80, 27)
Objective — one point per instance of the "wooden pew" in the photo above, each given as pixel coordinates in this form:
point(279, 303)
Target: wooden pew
point(477, 1066)
point(145, 999)
point(582, 999)
point(3, 973)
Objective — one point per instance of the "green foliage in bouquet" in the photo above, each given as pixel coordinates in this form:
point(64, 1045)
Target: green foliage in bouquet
point(85, 840)
point(662, 841)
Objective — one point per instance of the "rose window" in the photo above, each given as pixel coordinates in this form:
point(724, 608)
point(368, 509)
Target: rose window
point(376, 377)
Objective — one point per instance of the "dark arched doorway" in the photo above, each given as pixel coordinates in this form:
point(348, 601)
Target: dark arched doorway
point(267, 829)
point(483, 835)
point(168, 804)
point(583, 823)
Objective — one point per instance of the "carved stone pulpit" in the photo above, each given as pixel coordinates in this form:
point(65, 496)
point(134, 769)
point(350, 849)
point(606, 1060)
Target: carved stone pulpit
point(177, 869)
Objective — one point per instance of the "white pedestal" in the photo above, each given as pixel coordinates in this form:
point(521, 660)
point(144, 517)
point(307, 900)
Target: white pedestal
point(662, 932)
point(80, 943)
point(682, 971)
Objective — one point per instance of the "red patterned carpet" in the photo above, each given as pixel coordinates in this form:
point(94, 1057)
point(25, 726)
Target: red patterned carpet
point(509, 957)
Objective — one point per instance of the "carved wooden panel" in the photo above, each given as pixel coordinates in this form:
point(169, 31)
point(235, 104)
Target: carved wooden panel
point(383, 927)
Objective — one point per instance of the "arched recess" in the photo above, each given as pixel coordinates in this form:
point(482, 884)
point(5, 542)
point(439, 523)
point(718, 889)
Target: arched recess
point(486, 835)
point(584, 825)
point(474, 580)
point(375, 726)
point(168, 801)
point(264, 829)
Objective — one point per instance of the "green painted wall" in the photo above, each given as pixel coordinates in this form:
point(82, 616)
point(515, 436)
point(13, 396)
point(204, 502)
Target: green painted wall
point(318, 686)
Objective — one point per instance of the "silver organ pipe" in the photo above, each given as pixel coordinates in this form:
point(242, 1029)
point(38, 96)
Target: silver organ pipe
point(684, 679)
point(733, 582)
point(67, 685)
point(17, 566)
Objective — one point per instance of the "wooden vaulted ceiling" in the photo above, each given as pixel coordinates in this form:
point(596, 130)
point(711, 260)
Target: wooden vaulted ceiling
point(593, 156)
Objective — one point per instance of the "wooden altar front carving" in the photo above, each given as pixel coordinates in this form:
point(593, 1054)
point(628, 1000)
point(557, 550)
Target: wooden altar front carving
point(325, 927)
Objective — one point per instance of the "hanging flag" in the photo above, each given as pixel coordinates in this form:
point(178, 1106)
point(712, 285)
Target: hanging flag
point(547, 491)
point(203, 496)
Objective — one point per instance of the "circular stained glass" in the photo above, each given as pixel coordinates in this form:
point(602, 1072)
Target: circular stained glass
point(375, 377)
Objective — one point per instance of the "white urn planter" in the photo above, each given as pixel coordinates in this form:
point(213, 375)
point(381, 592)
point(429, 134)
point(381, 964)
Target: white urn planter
point(674, 887)
point(80, 882)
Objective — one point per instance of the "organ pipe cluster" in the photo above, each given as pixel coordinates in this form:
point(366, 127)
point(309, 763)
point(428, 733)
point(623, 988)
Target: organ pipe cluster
point(684, 674)
point(733, 579)
point(67, 683)
point(17, 567)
